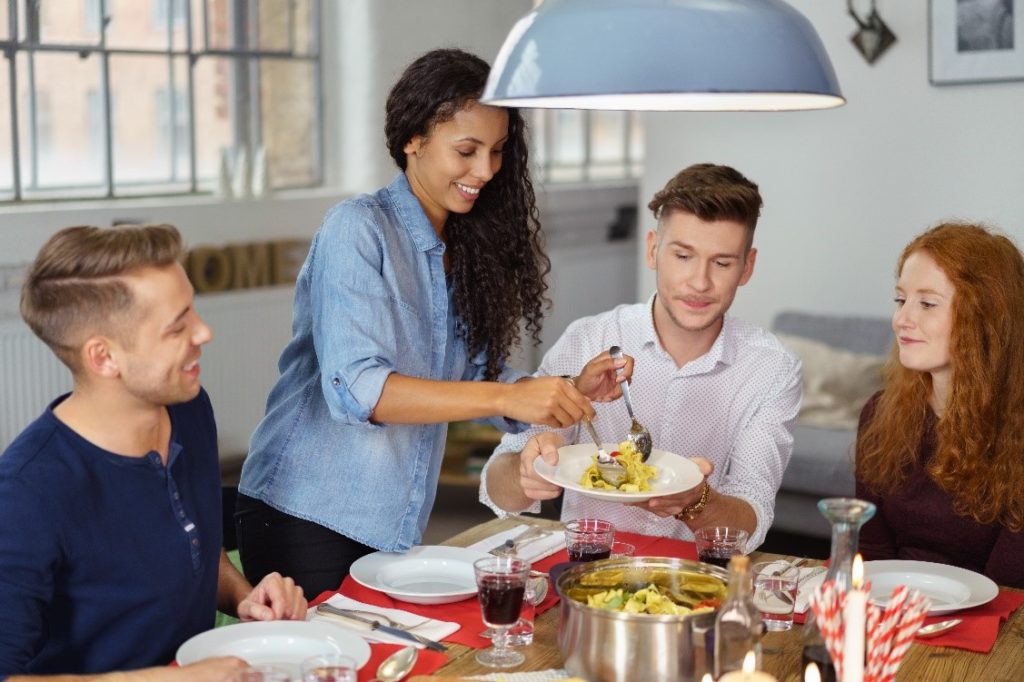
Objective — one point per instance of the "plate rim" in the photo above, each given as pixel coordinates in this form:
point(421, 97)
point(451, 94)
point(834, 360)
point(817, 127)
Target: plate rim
point(539, 466)
point(375, 558)
point(326, 629)
point(979, 585)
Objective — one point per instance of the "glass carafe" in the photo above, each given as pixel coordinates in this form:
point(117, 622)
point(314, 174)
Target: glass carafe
point(846, 515)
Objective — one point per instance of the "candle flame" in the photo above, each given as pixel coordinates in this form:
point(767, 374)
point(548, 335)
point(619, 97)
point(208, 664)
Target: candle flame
point(749, 662)
point(858, 572)
point(706, 678)
point(811, 674)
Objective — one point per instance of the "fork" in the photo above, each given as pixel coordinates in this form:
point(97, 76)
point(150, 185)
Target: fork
point(638, 433)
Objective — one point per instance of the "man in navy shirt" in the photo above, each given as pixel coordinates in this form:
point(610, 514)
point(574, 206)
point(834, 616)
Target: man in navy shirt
point(110, 522)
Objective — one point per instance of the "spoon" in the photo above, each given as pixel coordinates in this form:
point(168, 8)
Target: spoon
point(938, 628)
point(397, 665)
point(610, 470)
point(638, 433)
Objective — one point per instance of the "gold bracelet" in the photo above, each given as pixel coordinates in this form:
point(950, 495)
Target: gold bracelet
point(691, 512)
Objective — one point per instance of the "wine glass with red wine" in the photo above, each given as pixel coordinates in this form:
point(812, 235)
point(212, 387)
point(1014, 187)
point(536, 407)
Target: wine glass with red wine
point(501, 584)
point(589, 539)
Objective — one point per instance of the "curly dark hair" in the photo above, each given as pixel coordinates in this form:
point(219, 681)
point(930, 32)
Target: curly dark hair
point(496, 250)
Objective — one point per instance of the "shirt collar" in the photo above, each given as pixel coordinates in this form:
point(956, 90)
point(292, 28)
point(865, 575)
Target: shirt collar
point(410, 212)
point(723, 350)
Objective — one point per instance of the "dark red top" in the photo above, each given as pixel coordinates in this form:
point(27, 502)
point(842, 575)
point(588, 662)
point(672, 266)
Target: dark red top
point(917, 523)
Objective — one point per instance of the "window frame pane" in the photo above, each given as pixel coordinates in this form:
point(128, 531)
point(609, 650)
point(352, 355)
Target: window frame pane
point(245, 96)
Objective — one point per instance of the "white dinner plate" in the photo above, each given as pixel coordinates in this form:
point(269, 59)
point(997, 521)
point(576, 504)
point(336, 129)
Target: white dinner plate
point(675, 473)
point(950, 588)
point(427, 574)
point(283, 643)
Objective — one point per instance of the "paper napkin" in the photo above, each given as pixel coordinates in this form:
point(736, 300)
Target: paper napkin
point(433, 629)
point(810, 578)
point(533, 550)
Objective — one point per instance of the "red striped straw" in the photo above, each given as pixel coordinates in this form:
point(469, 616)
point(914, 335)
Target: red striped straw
point(875, 657)
point(827, 603)
point(913, 616)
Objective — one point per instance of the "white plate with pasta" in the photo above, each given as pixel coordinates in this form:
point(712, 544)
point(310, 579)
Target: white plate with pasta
point(675, 473)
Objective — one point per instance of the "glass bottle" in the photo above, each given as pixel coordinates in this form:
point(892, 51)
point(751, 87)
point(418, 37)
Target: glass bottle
point(847, 515)
point(738, 623)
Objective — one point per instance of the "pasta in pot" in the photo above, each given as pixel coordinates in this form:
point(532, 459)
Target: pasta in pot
point(638, 474)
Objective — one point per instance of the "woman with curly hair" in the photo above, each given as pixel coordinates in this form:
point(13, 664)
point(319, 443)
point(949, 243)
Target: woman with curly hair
point(941, 449)
point(408, 304)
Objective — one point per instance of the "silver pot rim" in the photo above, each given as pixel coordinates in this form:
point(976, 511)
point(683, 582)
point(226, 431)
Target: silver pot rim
point(642, 562)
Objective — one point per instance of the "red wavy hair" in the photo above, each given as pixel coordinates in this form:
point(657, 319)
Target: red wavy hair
point(979, 459)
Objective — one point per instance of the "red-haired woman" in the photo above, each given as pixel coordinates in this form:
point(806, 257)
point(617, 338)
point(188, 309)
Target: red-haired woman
point(941, 449)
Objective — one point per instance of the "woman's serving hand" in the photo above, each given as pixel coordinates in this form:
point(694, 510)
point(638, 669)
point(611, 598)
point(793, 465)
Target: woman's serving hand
point(600, 378)
point(551, 401)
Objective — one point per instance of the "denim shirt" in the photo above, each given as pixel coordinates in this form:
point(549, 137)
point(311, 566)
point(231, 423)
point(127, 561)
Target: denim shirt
point(371, 299)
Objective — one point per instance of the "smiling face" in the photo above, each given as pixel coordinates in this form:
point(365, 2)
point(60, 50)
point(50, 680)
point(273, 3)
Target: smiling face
point(449, 167)
point(699, 266)
point(159, 363)
point(923, 321)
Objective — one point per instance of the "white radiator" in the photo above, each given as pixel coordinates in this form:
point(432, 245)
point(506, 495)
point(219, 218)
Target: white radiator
point(250, 329)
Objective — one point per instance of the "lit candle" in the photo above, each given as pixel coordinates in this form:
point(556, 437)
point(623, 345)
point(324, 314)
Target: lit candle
point(706, 678)
point(854, 610)
point(811, 674)
point(749, 672)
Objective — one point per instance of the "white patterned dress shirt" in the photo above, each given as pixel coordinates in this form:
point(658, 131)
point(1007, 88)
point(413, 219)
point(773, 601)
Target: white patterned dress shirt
point(734, 405)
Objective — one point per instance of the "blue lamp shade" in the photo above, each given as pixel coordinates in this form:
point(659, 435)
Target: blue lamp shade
point(664, 55)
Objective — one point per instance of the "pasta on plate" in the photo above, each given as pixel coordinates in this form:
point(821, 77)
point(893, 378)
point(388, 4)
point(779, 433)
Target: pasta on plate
point(638, 475)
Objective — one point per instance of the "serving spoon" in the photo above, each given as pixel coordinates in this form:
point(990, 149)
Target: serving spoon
point(397, 665)
point(609, 468)
point(638, 433)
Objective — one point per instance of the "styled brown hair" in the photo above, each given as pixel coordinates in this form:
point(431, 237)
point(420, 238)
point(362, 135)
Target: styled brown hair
point(980, 435)
point(711, 192)
point(74, 286)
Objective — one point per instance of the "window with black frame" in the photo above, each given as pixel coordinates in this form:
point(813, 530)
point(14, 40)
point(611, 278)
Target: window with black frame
point(116, 98)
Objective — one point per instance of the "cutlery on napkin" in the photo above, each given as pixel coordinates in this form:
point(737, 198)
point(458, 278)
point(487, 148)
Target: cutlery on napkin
point(430, 628)
point(532, 550)
point(810, 578)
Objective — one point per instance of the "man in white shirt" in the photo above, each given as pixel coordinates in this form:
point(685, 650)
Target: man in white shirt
point(705, 384)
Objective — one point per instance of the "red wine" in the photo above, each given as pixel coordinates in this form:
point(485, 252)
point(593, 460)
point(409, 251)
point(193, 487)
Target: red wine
point(716, 557)
point(585, 552)
point(501, 600)
point(819, 655)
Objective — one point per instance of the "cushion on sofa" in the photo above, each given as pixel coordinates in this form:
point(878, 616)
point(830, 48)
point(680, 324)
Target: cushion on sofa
point(837, 382)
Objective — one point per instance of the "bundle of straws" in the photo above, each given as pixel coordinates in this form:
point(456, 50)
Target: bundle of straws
point(890, 629)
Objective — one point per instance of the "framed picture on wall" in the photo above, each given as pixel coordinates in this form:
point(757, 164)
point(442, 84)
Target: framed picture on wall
point(973, 41)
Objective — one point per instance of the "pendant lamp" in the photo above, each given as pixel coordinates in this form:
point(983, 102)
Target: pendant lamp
point(664, 55)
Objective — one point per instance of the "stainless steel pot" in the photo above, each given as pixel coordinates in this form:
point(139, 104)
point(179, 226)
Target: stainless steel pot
point(607, 646)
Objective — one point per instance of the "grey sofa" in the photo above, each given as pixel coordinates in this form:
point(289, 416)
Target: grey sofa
point(822, 461)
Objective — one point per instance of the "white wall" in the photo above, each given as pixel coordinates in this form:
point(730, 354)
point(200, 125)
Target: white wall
point(846, 189)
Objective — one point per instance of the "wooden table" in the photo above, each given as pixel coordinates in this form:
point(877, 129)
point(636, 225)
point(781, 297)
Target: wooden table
point(781, 650)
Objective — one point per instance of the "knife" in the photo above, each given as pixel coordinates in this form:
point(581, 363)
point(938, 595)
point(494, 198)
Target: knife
point(335, 612)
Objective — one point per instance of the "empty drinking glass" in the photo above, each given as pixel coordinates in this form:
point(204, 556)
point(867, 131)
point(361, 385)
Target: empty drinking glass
point(329, 668)
point(501, 586)
point(262, 673)
point(775, 588)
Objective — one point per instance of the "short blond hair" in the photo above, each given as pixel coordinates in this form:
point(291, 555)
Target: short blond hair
point(75, 286)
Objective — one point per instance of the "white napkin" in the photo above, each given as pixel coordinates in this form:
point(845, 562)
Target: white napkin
point(533, 550)
point(810, 578)
point(431, 629)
